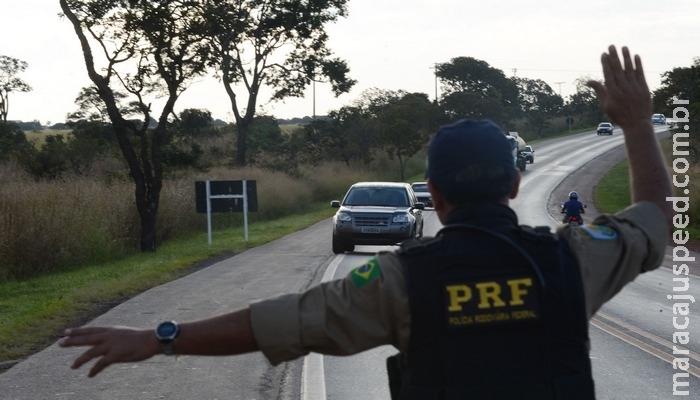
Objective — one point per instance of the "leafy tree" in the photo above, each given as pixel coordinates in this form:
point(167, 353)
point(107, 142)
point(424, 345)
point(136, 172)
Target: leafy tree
point(473, 89)
point(583, 105)
point(89, 141)
point(13, 141)
point(195, 123)
point(281, 45)
point(10, 83)
point(538, 103)
point(50, 161)
point(30, 126)
point(458, 105)
point(682, 83)
point(147, 48)
point(265, 136)
point(91, 107)
point(406, 121)
point(348, 135)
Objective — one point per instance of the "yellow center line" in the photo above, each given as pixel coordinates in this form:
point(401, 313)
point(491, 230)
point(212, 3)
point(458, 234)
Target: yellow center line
point(664, 356)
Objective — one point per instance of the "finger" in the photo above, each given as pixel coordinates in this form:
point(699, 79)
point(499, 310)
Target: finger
point(100, 365)
point(598, 88)
point(608, 76)
point(87, 330)
point(629, 67)
point(93, 352)
point(615, 66)
point(79, 340)
point(639, 71)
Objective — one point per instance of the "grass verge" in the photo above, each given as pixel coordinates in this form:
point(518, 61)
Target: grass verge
point(613, 194)
point(34, 312)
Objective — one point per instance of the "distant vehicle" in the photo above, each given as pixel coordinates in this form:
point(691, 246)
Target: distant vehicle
point(605, 128)
point(518, 158)
point(529, 154)
point(658, 119)
point(376, 213)
point(422, 193)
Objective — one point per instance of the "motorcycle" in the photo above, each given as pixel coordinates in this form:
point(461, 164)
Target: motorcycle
point(574, 220)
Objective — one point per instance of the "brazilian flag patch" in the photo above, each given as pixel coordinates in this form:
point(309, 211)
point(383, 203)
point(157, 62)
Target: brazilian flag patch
point(365, 273)
point(600, 232)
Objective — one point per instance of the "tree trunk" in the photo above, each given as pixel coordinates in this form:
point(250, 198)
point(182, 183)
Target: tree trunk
point(243, 127)
point(148, 211)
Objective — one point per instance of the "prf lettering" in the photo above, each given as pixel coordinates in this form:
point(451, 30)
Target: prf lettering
point(490, 294)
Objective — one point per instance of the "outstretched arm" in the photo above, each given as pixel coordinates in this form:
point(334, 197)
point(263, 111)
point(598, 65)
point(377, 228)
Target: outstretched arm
point(227, 334)
point(625, 98)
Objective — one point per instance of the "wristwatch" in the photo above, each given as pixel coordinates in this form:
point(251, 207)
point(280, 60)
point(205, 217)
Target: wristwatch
point(166, 332)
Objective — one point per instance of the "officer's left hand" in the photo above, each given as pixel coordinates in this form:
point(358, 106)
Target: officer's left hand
point(625, 95)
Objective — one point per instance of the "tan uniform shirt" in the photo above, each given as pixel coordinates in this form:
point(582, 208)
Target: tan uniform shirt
point(369, 307)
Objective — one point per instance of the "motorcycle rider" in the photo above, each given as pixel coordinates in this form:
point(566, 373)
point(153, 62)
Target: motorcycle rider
point(572, 208)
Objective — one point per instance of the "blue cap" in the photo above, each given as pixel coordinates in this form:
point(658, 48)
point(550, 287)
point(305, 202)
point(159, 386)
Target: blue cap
point(471, 160)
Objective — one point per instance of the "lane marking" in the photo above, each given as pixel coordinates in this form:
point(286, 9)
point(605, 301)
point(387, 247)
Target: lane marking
point(598, 323)
point(313, 378)
point(661, 341)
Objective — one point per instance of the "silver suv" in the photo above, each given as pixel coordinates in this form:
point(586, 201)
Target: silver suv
point(376, 213)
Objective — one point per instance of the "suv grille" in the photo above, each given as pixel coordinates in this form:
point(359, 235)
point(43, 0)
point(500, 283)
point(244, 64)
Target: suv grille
point(371, 220)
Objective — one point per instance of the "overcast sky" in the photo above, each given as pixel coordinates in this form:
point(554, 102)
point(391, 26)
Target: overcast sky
point(392, 44)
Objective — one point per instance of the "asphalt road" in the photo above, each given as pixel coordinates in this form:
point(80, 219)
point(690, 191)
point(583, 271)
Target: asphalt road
point(623, 370)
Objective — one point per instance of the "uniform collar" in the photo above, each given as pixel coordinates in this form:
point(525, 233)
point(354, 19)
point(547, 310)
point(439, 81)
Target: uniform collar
point(488, 215)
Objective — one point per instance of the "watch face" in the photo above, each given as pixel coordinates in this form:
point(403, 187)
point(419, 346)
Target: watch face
point(167, 330)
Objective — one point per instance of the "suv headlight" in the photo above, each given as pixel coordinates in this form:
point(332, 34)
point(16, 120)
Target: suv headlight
point(400, 218)
point(344, 216)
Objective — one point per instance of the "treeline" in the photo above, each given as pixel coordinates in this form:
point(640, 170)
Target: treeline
point(380, 135)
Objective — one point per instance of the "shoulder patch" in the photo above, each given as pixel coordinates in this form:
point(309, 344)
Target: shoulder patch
point(365, 273)
point(599, 232)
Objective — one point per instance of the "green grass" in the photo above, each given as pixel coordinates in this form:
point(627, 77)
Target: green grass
point(613, 194)
point(34, 312)
point(613, 191)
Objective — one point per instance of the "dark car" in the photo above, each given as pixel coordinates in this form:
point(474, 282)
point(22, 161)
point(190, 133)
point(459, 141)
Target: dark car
point(529, 154)
point(605, 128)
point(658, 119)
point(422, 193)
point(376, 213)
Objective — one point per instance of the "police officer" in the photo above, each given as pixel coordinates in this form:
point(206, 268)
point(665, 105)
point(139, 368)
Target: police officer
point(487, 309)
point(572, 208)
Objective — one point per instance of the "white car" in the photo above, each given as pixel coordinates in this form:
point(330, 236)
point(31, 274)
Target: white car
point(658, 119)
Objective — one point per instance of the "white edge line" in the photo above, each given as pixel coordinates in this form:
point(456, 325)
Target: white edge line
point(313, 379)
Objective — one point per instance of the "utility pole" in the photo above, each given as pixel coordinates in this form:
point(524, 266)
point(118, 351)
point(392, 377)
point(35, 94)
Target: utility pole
point(559, 83)
point(434, 68)
point(314, 100)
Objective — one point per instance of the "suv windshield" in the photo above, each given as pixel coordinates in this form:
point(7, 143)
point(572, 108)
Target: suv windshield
point(377, 196)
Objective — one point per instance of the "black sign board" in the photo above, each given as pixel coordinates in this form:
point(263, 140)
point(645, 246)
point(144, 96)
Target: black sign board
point(225, 188)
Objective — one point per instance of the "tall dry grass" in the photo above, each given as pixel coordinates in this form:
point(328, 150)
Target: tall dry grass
point(55, 226)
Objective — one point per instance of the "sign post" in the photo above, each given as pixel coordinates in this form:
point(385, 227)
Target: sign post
point(224, 196)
